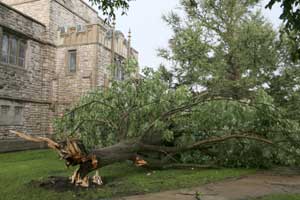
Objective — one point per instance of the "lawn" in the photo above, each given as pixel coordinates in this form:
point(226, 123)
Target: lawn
point(17, 170)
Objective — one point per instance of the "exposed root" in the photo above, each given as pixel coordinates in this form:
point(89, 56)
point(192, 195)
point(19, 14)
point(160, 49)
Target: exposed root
point(78, 181)
point(97, 179)
point(74, 153)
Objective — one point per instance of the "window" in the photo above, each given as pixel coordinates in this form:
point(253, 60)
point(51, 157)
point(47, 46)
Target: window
point(72, 54)
point(4, 110)
point(4, 49)
point(11, 113)
point(119, 73)
point(13, 45)
point(22, 50)
point(13, 50)
point(18, 111)
point(18, 115)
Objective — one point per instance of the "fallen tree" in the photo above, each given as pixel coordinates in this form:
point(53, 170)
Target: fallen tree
point(74, 153)
point(157, 126)
point(163, 120)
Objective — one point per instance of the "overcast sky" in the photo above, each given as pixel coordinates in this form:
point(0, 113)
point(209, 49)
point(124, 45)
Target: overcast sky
point(149, 32)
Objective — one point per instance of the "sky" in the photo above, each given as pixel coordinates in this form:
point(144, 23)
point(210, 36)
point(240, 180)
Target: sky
point(149, 31)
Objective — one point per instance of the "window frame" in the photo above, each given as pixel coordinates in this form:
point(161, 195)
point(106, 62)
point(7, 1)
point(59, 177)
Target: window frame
point(69, 53)
point(11, 114)
point(5, 109)
point(20, 40)
point(118, 70)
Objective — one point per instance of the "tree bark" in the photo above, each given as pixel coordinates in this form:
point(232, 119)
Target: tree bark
point(74, 153)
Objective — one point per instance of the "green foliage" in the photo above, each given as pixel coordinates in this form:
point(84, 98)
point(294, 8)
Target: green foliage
point(230, 50)
point(290, 16)
point(222, 44)
point(141, 109)
point(109, 7)
point(129, 109)
point(249, 84)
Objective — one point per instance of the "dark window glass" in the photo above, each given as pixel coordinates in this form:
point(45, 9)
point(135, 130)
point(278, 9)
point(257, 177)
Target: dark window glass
point(13, 50)
point(72, 60)
point(4, 49)
point(4, 110)
point(22, 50)
point(18, 111)
point(119, 75)
point(13, 46)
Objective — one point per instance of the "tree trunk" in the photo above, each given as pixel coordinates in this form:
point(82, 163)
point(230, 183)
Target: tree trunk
point(74, 153)
point(105, 156)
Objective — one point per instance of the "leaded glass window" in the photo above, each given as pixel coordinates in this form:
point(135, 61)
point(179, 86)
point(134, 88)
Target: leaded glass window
point(13, 50)
point(4, 49)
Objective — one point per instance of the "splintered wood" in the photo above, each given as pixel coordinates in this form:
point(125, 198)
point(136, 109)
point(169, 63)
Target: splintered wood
point(74, 153)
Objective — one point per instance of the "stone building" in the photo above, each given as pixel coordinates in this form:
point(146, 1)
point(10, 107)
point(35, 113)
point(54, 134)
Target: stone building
point(51, 53)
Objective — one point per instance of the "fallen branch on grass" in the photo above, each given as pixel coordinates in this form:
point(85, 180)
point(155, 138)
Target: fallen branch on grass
point(74, 153)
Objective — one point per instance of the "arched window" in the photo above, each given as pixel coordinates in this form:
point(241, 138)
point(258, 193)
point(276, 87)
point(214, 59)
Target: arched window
point(4, 49)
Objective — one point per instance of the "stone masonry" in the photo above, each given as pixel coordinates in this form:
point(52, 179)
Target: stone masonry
point(68, 53)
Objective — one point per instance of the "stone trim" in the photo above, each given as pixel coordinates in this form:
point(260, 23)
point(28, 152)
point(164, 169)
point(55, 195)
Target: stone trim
point(24, 15)
point(26, 36)
point(25, 100)
point(14, 66)
point(92, 43)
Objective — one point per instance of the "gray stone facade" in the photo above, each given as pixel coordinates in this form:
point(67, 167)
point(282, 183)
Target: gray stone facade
point(44, 86)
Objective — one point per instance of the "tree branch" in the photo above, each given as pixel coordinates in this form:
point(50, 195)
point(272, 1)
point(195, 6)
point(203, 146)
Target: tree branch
point(198, 144)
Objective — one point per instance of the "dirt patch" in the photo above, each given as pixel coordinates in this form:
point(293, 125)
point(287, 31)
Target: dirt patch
point(63, 184)
point(278, 181)
point(60, 184)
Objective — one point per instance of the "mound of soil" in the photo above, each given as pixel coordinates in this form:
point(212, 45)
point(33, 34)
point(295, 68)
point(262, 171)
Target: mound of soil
point(60, 184)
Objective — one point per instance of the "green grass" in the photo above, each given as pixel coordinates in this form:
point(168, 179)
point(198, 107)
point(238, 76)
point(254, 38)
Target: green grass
point(281, 197)
point(17, 170)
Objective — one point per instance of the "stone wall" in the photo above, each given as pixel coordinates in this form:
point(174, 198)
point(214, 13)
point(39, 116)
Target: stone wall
point(103, 63)
point(70, 14)
point(12, 18)
point(57, 13)
point(36, 9)
point(31, 96)
point(25, 91)
point(93, 61)
point(72, 85)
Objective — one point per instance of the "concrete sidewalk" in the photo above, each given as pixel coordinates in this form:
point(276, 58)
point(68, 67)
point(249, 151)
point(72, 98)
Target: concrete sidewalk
point(232, 189)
